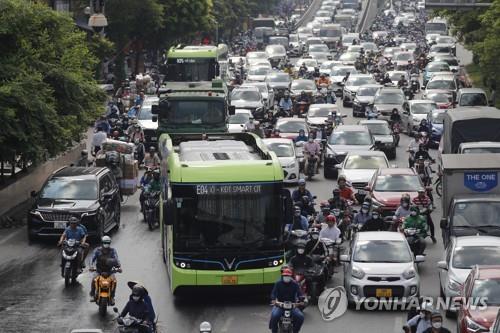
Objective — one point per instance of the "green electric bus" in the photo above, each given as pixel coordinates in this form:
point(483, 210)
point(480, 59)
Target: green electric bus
point(195, 63)
point(224, 213)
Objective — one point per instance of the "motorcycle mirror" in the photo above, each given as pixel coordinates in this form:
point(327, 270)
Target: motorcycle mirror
point(154, 119)
point(419, 258)
point(115, 309)
point(33, 194)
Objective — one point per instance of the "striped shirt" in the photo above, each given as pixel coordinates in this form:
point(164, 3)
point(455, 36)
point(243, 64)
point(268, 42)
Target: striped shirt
point(422, 202)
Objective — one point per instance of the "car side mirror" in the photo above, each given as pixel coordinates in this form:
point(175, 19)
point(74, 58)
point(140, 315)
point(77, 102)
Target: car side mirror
point(107, 196)
point(344, 258)
point(33, 194)
point(443, 223)
point(442, 265)
point(154, 118)
point(231, 109)
point(419, 258)
point(338, 166)
point(155, 109)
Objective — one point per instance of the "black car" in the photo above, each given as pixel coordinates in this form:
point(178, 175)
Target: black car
point(90, 194)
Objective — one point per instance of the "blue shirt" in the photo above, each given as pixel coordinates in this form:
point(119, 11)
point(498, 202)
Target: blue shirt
point(297, 195)
point(133, 111)
point(112, 255)
point(301, 138)
point(76, 234)
point(145, 181)
point(286, 104)
point(303, 223)
point(138, 310)
point(286, 292)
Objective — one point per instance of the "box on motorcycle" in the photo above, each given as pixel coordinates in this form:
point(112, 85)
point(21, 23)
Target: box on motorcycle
point(129, 182)
point(118, 146)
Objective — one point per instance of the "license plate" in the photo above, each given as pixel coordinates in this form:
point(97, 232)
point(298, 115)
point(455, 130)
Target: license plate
point(230, 279)
point(361, 192)
point(153, 138)
point(383, 292)
point(59, 225)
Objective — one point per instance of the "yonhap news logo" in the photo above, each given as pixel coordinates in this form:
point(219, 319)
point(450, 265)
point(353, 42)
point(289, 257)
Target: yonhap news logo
point(332, 303)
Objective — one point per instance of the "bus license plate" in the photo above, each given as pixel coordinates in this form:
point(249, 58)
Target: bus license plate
point(59, 225)
point(230, 279)
point(383, 292)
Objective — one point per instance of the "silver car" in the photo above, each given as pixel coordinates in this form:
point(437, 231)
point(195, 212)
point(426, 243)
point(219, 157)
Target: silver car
point(380, 264)
point(353, 83)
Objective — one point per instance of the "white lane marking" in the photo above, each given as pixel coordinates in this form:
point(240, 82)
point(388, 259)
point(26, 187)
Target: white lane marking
point(227, 323)
point(398, 324)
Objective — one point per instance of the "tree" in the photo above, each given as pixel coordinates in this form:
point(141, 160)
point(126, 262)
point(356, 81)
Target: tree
point(48, 95)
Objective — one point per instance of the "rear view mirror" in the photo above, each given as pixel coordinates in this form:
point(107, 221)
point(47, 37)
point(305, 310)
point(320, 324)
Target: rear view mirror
point(33, 194)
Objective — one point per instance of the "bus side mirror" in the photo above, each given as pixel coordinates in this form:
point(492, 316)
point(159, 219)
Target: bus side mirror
point(155, 109)
point(154, 118)
point(231, 109)
point(168, 218)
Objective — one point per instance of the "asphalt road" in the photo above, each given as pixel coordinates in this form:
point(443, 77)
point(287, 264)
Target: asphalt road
point(33, 297)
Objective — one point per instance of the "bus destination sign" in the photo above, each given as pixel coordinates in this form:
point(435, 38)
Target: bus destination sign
point(227, 189)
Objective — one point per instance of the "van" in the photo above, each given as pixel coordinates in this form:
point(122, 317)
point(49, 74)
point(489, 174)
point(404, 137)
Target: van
point(472, 97)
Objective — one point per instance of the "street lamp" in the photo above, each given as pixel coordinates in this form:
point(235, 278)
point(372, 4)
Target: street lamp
point(97, 19)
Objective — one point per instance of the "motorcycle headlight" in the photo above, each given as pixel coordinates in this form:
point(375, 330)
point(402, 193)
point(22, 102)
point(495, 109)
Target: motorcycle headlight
point(409, 273)
point(473, 326)
point(357, 273)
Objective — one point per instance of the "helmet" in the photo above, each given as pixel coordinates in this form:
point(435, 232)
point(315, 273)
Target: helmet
point(436, 314)
point(106, 240)
point(405, 197)
point(138, 290)
point(85, 152)
point(73, 220)
point(426, 306)
point(286, 272)
point(330, 218)
point(302, 181)
point(341, 177)
point(116, 133)
point(324, 204)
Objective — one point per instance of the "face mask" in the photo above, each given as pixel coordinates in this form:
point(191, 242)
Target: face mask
point(136, 298)
point(375, 216)
point(287, 279)
point(106, 246)
point(405, 204)
point(315, 236)
point(300, 251)
point(364, 210)
point(437, 324)
point(311, 140)
point(413, 213)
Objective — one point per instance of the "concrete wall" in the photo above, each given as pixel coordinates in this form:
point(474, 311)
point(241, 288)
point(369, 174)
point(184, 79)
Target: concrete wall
point(19, 191)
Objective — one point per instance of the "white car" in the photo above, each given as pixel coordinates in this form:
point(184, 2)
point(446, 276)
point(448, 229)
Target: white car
point(318, 114)
point(461, 255)
point(238, 120)
point(145, 120)
point(255, 56)
point(309, 63)
point(360, 166)
point(414, 111)
point(258, 73)
point(288, 157)
point(380, 264)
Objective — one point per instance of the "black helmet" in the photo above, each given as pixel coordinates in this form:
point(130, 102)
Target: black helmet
point(301, 244)
point(138, 290)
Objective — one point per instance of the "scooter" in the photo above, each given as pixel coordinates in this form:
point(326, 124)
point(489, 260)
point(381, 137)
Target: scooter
point(396, 129)
point(285, 324)
point(70, 264)
point(131, 324)
point(151, 208)
point(417, 244)
point(311, 167)
point(104, 284)
point(312, 282)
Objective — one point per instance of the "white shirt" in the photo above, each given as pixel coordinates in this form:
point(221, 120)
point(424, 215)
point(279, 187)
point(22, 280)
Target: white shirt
point(423, 324)
point(413, 146)
point(99, 138)
point(250, 126)
point(331, 233)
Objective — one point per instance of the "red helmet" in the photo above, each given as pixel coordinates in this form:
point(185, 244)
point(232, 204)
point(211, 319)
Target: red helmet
point(330, 218)
point(287, 272)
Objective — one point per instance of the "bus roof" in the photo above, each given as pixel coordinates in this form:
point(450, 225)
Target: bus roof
point(238, 157)
point(196, 51)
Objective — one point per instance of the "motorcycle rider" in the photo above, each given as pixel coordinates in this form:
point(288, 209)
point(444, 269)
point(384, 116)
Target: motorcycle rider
point(152, 160)
point(346, 77)
point(136, 307)
point(316, 73)
point(346, 192)
point(79, 234)
point(300, 261)
point(299, 221)
point(413, 147)
point(363, 215)
point(375, 223)
point(436, 323)
point(402, 82)
point(98, 139)
point(83, 161)
point(135, 132)
point(422, 153)
point(286, 290)
point(423, 127)
point(100, 263)
point(404, 208)
point(314, 246)
point(323, 81)
point(145, 180)
point(330, 97)
point(424, 203)
point(421, 322)
point(154, 185)
point(301, 191)
point(250, 124)
point(415, 221)
point(286, 103)
point(330, 231)
point(321, 218)
point(301, 137)
point(395, 117)
point(146, 297)
point(302, 70)
point(311, 149)
point(386, 79)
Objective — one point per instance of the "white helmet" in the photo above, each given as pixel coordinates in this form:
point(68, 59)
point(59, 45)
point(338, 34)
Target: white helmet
point(106, 240)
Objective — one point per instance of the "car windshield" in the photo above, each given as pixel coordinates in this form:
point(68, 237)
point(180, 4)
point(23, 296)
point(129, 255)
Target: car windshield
point(330, 33)
point(404, 56)
point(442, 67)
point(318, 48)
point(438, 118)
point(303, 85)
point(69, 189)
point(465, 257)
point(473, 100)
point(342, 71)
point(351, 138)
point(476, 214)
point(359, 81)
point(440, 49)
point(379, 129)
point(481, 150)
point(319, 112)
point(488, 290)
point(441, 84)
point(239, 118)
point(365, 162)
point(397, 183)
point(368, 91)
point(291, 126)
point(397, 76)
point(423, 108)
point(259, 71)
point(281, 149)
point(349, 56)
point(245, 95)
point(382, 251)
point(389, 99)
point(275, 49)
point(278, 78)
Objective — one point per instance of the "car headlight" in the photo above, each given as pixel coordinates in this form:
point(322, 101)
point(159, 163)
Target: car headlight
point(454, 285)
point(414, 119)
point(473, 326)
point(357, 273)
point(291, 165)
point(409, 273)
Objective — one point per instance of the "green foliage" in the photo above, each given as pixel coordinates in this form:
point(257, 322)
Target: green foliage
point(48, 95)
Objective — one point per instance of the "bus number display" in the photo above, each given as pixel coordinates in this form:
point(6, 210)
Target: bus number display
point(227, 189)
point(186, 61)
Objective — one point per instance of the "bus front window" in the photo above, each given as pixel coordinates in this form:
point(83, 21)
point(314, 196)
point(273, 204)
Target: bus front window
point(194, 70)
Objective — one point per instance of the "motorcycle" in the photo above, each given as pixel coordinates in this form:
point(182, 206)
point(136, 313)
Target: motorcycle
point(424, 171)
point(417, 244)
point(70, 264)
point(139, 151)
point(104, 284)
point(414, 84)
point(131, 324)
point(285, 324)
point(301, 108)
point(311, 282)
point(151, 208)
point(311, 167)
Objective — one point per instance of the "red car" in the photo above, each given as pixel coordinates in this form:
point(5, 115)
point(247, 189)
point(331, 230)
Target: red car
point(483, 281)
point(388, 185)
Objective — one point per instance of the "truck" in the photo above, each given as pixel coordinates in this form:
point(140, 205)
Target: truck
point(471, 195)
point(223, 213)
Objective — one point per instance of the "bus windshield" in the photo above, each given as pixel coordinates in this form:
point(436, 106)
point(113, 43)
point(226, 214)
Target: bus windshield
point(237, 216)
point(209, 112)
point(195, 69)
